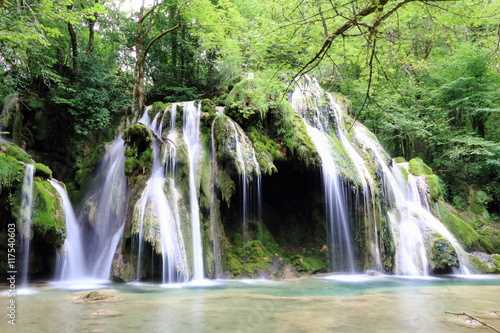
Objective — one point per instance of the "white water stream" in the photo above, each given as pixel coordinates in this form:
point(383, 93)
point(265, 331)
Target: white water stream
point(24, 223)
point(409, 216)
point(70, 263)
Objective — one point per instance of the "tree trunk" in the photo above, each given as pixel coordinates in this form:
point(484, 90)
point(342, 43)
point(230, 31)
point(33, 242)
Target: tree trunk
point(138, 94)
point(92, 21)
point(139, 82)
point(74, 48)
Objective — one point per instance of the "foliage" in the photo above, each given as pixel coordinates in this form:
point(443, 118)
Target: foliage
point(444, 255)
point(95, 96)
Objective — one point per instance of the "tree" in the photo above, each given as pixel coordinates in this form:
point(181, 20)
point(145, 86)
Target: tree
point(146, 19)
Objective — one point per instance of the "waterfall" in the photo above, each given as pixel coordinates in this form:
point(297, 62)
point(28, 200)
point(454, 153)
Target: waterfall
point(104, 210)
point(93, 234)
point(70, 263)
point(24, 221)
point(308, 103)
point(155, 207)
point(410, 220)
point(249, 170)
point(191, 134)
point(214, 226)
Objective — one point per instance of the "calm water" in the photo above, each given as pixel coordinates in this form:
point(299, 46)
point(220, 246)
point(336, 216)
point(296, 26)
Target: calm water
point(332, 303)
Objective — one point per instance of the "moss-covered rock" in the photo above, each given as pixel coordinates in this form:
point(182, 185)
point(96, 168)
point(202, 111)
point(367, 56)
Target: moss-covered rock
point(138, 139)
point(250, 99)
point(444, 255)
point(226, 186)
point(496, 261)
point(309, 264)
point(461, 229)
point(478, 201)
point(258, 256)
point(233, 148)
point(419, 168)
point(435, 187)
point(48, 218)
point(86, 167)
point(208, 106)
point(483, 263)
point(490, 237)
point(157, 107)
point(399, 159)
point(41, 170)
point(11, 172)
point(95, 296)
point(266, 150)
point(290, 131)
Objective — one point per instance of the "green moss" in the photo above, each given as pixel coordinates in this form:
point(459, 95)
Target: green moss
point(41, 170)
point(17, 129)
point(95, 296)
point(444, 254)
point(461, 229)
point(11, 171)
point(250, 99)
point(405, 173)
point(48, 215)
point(291, 132)
point(309, 264)
point(18, 154)
point(208, 106)
point(480, 266)
point(435, 188)
point(496, 260)
point(86, 167)
point(419, 168)
point(157, 107)
point(266, 150)
point(227, 186)
point(478, 203)
point(399, 159)
point(139, 160)
point(259, 255)
point(490, 237)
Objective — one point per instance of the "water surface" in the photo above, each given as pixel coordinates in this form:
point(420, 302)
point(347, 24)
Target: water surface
point(329, 303)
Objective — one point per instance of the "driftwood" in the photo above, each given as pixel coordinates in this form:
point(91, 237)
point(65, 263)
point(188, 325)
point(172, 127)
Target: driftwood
point(474, 318)
point(162, 139)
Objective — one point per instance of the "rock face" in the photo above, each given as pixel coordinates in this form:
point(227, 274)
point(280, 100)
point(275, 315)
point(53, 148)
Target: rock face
point(261, 205)
point(251, 200)
point(48, 231)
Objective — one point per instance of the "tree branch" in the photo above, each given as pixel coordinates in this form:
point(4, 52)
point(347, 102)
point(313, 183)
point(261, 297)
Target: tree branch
point(471, 317)
point(152, 41)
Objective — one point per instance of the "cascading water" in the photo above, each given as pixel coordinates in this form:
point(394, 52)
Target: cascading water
point(155, 206)
point(191, 134)
point(410, 219)
point(70, 264)
point(250, 177)
point(214, 226)
point(104, 210)
point(308, 103)
point(24, 222)
point(98, 227)
point(409, 216)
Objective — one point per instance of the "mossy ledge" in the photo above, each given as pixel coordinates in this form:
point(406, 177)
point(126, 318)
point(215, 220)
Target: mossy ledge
point(138, 140)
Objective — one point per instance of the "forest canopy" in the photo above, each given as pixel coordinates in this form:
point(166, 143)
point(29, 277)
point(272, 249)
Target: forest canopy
point(422, 75)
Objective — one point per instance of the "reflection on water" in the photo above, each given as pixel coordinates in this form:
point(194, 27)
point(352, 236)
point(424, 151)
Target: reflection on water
point(323, 304)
